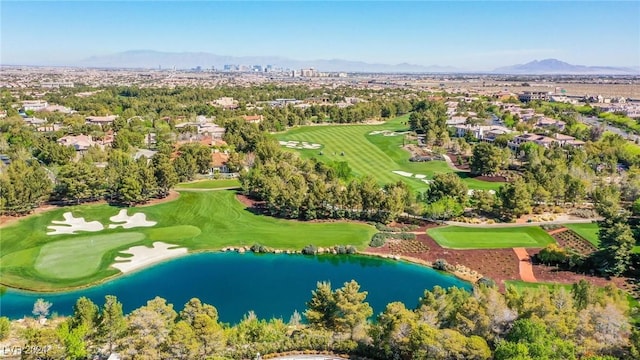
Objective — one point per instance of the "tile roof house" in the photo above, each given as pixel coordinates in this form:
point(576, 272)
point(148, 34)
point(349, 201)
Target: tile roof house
point(254, 119)
point(219, 162)
point(79, 142)
point(101, 120)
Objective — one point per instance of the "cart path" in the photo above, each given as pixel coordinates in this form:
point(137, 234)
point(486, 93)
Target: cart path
point(526, 269)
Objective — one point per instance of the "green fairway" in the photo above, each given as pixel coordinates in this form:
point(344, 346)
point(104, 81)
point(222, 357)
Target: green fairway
point(520, 285)
point(210, 184)
point(210, 220)
point(375, 155)
point(587, 231)
point(458, 237)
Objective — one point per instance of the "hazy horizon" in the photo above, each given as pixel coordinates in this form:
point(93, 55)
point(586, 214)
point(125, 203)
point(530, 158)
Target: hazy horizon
point(472, 35)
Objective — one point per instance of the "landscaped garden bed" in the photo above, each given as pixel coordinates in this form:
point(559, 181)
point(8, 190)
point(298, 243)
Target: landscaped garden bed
point(572, 241)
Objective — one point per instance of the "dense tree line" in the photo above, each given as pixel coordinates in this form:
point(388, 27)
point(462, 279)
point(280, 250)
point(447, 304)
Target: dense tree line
point(581, 323)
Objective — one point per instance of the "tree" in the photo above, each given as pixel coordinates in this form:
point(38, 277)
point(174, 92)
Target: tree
point(80, 181)
point(322, 308)
point(488, 159)
point(85, 314)
point(515, 199)
point(351, 309)
point(164, 173)
point(23, 186)
point(41, 308)
point(73, 341)
point(616, 245)
point(111, 323)
point(447, 185)
point(443, 209)
point(182, 341)
point(5, 327)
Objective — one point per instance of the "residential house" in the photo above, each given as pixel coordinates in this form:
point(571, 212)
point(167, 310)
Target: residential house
point(144, 153)
point(253, 119)
point(79, 142)
point(486, 133)
point(533, 95)
point(226, 103)
point(219, 162)
point(101, 120)
point(34, 121)
point(546, 122)
point(34, 105)
point(545, 141)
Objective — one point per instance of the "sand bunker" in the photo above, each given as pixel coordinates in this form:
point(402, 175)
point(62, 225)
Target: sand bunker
point(72, 224)
point(145, 256)
point(387, 133)
point(402, 173)
point(300, 145)
point(135, 220)
point(420, 176)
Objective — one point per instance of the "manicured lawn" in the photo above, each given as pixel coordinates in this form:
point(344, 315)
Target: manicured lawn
point(458, 237)
point(197, 220)
point(587, 231)
point(375, 155)
point(210, 184)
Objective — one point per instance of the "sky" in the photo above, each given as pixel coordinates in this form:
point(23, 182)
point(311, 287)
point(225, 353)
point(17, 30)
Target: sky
point(472, 35)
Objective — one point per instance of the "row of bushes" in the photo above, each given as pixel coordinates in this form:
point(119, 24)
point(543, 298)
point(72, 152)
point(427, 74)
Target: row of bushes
point(338, 249)
point(403, 228)
point(379, 239)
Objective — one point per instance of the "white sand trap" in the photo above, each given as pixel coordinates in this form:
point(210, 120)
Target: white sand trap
point(420, 176)
point(292, 144)
point(145, 256)
point(72, 224)
point(426, 181)
point(135, 220)
point(402, 173)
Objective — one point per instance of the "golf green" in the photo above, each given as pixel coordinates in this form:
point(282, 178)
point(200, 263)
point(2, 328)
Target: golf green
point(210, 184)
point(459, 237)
point(374, 154)
point(199, 221)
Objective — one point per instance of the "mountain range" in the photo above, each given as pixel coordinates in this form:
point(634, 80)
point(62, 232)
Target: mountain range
point(554, 66)
point(150, 59)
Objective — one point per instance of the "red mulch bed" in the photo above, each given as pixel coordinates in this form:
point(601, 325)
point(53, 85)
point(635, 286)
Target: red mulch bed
point(247, 201)
point(491, 178)
point(454, 160)
point(499, 264)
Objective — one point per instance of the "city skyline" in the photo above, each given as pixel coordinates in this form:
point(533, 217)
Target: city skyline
point(466, 35)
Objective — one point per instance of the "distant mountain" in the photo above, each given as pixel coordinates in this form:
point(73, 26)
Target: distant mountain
point(188, 60)
point(554, 66)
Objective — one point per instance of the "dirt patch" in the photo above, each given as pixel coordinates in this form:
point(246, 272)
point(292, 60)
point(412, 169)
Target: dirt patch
point(526, 269)
point(249, 202)
point(173, 195)
point(491, 178)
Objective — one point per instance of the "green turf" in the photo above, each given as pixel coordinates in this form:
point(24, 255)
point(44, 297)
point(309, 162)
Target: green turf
point(588, 231)
point(375, 155)
point(210, 184)
point(458, 237)
point(78, 257)
point(197, 220)
point(520, 285)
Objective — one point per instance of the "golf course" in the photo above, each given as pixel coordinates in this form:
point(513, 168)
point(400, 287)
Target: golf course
point(35, 258)
point(370, 151)
point(458, 237)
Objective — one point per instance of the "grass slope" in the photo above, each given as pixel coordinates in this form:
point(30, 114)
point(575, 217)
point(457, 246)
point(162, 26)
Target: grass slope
point(587, 231)
point(458, 237)
point(196, 220)
point(210, 184)
point(374, 155)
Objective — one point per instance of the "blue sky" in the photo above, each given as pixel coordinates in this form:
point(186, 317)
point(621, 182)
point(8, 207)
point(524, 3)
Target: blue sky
point(466, 34)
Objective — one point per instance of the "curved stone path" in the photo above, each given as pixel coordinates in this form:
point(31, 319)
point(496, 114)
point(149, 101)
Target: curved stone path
point(526, 269)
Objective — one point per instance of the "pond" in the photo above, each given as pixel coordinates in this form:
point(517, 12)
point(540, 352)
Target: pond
point(270, 285)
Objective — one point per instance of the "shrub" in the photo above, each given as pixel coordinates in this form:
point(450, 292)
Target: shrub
point(378, 239)
point(440, 264)
point(341, 249)
point(310, 250)
point(5, 327)
point(485, 281)
point(552, 254)
point(257, 248)
point(351, 250)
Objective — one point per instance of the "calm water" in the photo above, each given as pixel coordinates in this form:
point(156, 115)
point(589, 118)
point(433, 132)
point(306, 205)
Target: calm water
point(271, 285)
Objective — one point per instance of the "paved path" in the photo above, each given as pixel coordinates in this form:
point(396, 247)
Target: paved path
point(451, 164)
point(526, 269)
point(556, 231)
